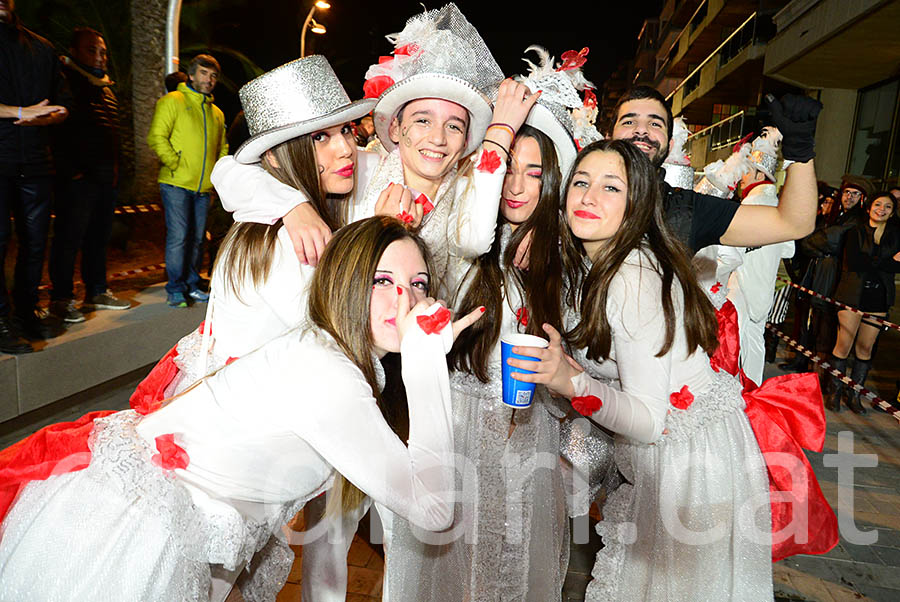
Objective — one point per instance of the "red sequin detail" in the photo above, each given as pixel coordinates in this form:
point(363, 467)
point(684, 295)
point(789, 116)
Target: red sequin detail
point(170, 455)
point(715, 288)
point(435, 322)
point(572, 59)
point(682, 399)
point(427, 206)
point(490, 161)
point(522, 316)
point(587, 405)
point(376, 85)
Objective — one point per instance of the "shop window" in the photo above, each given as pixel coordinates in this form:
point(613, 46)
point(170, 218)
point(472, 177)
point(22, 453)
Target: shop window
point(873, 132)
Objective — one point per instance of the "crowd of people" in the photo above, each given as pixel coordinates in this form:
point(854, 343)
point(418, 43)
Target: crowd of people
point(350, 356)
point(60, 127)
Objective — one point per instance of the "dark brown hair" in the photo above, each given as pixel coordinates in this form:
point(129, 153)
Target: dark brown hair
point(250, 246)
point(643, 226)
point(491, 273)
point(643, 92)
point(204, 60)
point(340, 295)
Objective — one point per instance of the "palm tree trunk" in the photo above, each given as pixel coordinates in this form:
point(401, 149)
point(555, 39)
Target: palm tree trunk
point(148, 58)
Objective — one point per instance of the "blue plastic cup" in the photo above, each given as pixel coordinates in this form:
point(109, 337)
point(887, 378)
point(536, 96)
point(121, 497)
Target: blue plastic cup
point(518, 394)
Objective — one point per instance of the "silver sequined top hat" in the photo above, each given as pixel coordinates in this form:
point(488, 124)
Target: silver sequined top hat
point(560, 112)
point(439, 54)
point(679, 172)
point(298, 98)
point(764, 151)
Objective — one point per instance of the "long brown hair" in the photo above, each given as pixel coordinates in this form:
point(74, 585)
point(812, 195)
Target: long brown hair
point(339, 299)
point(643, 226)
point(246, 253)
point(491, 273)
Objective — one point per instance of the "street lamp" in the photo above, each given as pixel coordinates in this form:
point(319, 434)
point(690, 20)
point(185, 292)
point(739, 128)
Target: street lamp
point(316, 27)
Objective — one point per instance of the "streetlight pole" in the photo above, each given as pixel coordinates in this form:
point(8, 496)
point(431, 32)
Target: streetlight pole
point(316, 27)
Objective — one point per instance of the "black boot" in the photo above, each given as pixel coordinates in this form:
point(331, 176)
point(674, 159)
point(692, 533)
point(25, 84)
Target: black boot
point(10, 342)
point(860, 372)
point(771, 340)
point(798, 364)
point(833, 398)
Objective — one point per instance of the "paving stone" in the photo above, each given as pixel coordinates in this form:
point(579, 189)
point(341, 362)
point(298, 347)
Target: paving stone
point(862, 553)
point(879, 594)
point(363, 581)
point(289, 593)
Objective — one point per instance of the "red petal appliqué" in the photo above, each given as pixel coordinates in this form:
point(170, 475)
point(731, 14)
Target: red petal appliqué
point(229, 360)
point(376, 85)
point(407, 49)
point(406, 218)
point(715, 288)
point(522, 316)
point(587, 404)
point(572, 59)
point(490, 161)
point(427, 206)
point(590, 99)
point(682, 399)
point(435, 322)
point(170, 455)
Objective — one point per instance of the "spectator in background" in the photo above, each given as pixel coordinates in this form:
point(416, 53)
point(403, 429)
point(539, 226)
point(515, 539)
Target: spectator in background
point(825, 247)
point(33, 96)
point(188, 134)
point(87, 159)
point(797, 267)
point(175, 78)
point(365, 131)
point(871, 258)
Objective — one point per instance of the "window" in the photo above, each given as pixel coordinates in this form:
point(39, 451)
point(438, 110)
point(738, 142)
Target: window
point(874, 132)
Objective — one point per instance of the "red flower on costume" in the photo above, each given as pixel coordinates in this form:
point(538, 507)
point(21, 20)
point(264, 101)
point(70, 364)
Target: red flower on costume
point(590, 99)
point(715, 288)
point(572, 59)
point(682, 399)
point(435, 322)
point(587, 404)
point(490, 161)
point(522, 316)
point(407, 49)
point(170, 455)
point(229, 360)
point(376, 85)
point(427, 206)
point(406, 218)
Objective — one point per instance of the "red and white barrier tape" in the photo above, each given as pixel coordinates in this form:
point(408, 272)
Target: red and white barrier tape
point(887, 407)
point(869, 317)
point(122, 274)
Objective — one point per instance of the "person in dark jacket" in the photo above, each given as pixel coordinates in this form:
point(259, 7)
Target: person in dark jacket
point(825, 246)
point(33, 97)
point(87, 158)
point(871, 258)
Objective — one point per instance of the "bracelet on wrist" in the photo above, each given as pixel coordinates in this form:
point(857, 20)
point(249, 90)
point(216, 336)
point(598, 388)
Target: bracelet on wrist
point(20, 112)
point(500, 146)
point(506, 126)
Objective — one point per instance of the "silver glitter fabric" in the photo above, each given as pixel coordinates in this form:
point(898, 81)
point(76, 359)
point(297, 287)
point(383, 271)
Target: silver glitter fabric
point(509, 541)
point(679, 176)
point(764, 161)
point(705, 186)
point(133, 527)
point(297, 91)
point(696, 509)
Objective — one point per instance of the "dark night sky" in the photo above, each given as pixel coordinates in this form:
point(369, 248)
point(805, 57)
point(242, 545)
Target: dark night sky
point(269, 32)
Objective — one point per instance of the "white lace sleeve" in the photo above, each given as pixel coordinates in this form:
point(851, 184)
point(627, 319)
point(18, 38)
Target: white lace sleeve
point(473, 218)
point(251, 193)
point(638, 327)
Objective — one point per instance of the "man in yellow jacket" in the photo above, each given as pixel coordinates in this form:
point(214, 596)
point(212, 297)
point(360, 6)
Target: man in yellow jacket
point(188, 134)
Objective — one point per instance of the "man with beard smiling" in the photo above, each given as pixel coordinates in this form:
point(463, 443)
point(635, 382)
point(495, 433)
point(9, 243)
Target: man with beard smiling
point(644, 118)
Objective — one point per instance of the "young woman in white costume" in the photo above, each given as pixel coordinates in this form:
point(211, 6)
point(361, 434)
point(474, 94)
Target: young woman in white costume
point(211, 475)
point(687, 525)
point(510, 535)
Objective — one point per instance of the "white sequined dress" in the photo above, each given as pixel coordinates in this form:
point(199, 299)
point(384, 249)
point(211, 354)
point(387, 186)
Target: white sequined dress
point(509, 540)
point(261, 436)
point(693, 520)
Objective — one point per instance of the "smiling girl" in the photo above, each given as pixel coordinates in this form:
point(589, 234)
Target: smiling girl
point(681, 528)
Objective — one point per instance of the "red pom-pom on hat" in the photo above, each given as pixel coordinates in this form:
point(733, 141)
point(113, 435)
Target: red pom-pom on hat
point(376, 85)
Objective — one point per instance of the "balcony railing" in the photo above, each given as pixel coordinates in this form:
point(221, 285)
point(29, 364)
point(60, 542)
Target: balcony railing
point(722, 134)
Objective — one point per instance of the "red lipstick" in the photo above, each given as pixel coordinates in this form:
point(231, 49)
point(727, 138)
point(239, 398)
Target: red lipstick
point(346, 171)
point(586, 214)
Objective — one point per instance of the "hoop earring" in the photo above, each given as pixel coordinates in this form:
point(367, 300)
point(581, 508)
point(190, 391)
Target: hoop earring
point(321, 169)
